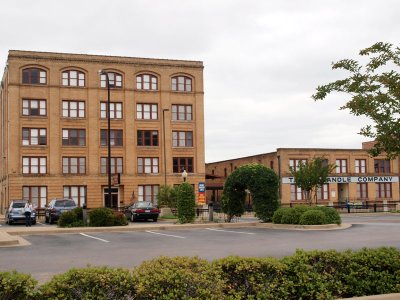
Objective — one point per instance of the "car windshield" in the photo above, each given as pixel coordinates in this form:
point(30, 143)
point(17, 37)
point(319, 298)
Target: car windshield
point(65, 203)
point(18, 205)
point(143, 204)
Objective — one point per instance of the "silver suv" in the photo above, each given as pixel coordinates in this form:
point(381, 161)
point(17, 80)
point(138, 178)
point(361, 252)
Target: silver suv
point(16, 212)
point(56, 207)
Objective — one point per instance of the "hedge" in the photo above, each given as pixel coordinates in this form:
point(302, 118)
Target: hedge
point(186, 203)
point(304, 275)
point(294, 215)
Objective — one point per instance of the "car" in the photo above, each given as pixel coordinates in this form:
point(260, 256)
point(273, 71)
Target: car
point(16, 212)
point(56, 207)
point(142, 211)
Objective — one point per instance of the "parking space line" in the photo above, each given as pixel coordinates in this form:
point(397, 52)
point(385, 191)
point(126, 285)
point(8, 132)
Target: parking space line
point(175, 236)
point(93, 237)
point(212, 229)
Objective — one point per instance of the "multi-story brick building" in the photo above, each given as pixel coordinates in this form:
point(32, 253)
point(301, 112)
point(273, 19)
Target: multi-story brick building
point(357, 178)
point(54, 127)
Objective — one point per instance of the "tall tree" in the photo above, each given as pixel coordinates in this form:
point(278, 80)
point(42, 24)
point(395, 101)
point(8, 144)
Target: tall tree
point(374, 90)
point(311, 175)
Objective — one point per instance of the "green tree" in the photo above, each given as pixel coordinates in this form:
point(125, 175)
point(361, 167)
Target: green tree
point(374, 91)
point(311, 175)
point(167, 196)
point(186, 203)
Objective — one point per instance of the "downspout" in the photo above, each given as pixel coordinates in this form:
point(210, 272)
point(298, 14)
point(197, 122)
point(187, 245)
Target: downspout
point(279, 176)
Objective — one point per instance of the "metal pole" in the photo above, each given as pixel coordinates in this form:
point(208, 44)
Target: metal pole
point(165, 153)
point(108, 138)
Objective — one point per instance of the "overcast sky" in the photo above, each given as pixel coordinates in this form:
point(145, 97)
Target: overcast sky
point(263, 59)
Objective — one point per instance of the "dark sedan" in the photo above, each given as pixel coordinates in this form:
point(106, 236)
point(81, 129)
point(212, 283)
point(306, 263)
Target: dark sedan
point(142, 211)
point(56, 207)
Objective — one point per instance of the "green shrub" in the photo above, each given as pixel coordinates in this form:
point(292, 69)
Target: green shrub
point(101, 217)
point(91, 283)
point(177, 278)
point(79, 213)
point(332, 216)
point(278, 214)
point(313, 217)
point(120, 219)
point(186, 203)
point(67, 219)
point(293, 215)
point(14, 285)
point(252, 278)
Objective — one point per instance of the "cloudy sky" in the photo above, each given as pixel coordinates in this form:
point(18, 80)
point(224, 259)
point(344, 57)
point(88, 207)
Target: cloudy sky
point(263, 59)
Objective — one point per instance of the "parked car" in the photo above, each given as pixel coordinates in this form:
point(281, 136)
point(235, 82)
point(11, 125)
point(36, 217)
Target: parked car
point(16, 212)
point(56, 207)
point(143, 211)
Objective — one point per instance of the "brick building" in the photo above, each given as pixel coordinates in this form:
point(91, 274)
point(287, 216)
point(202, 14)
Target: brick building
point(357, 178)
point(54, 127)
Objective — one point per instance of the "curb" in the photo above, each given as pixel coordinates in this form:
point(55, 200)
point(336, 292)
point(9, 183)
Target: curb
point(7, 240)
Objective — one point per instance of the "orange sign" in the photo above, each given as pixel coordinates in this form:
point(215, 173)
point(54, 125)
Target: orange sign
point(201, 199)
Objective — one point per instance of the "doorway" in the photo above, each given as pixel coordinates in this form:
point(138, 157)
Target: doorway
point(343, 192)
point(114, 201)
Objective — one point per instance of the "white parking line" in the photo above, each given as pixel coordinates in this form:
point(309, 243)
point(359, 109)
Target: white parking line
point(93, 237)
point(175, 236)
point(230, 231)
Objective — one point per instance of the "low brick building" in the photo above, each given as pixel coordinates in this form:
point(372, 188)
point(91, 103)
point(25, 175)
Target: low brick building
point(357, 178)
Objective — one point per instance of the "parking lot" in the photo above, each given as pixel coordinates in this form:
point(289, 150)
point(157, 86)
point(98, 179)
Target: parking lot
point(50, 254)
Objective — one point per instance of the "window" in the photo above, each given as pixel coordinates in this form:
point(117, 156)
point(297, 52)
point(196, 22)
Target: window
point(148, 165)
point(147, 138)
point(34, 76)
point(360, 165)
point(297, 193)
point(362, 190)
point(34, 165)
point(34, 108)
point(36, 194)
point(74, 137)
point(182, 112)
point(76, 193)
point(383, 190)
point(73, 109)
point(146, 82)
point(115, 110)
point(34, 136)
point(116, 165)
point(115, 137)
point(341, 166)
point(323, 192)
point(182, 139)
point(115, 80)
point(181, 84)
point(146, 111)
point(73, 78)
point(382, 165)
point(148, 193)
point(183, 163)
point(74, 165)
point(294, 163)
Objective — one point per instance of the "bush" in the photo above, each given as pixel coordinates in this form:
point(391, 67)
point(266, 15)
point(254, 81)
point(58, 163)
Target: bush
point(278, 214)
point(186, 203)
point(252, 278)
point(91, 283)
point(101, 217)
point(79, 213)
point(313, 217)
point(15, 285)
point(332, 216)
point(177, 278)
point(120, 219)
point(73, 218)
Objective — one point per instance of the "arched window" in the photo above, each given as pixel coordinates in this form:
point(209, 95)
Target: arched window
point(73, 78)
point(34, 76)
point(114, 78)
point(181, 84)
point(146, 82)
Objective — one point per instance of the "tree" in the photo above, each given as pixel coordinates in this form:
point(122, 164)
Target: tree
point(186, 203)
point(261, 182)
point(374, 91)
point(311, 175)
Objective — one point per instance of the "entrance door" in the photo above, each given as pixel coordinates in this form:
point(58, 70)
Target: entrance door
point(113, 202)
point(343, 192)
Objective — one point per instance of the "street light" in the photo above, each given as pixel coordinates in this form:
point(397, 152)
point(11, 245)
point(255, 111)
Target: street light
point(184, 175)
point(102, 72)
point(165, 155)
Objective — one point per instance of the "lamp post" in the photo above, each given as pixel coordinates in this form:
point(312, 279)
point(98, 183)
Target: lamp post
point(102, 72)
point(184, 175)
point(165, 155)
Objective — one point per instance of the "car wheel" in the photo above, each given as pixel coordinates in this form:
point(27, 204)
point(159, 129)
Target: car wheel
point(34, 222)
point(10, 222)
point(46, 220)
point(51, 220)
point(155, 220)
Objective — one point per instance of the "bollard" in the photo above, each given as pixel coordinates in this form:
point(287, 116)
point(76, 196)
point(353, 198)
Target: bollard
point(374, 207)
point(84, 214)
point(210, 212)
point(348, 208)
